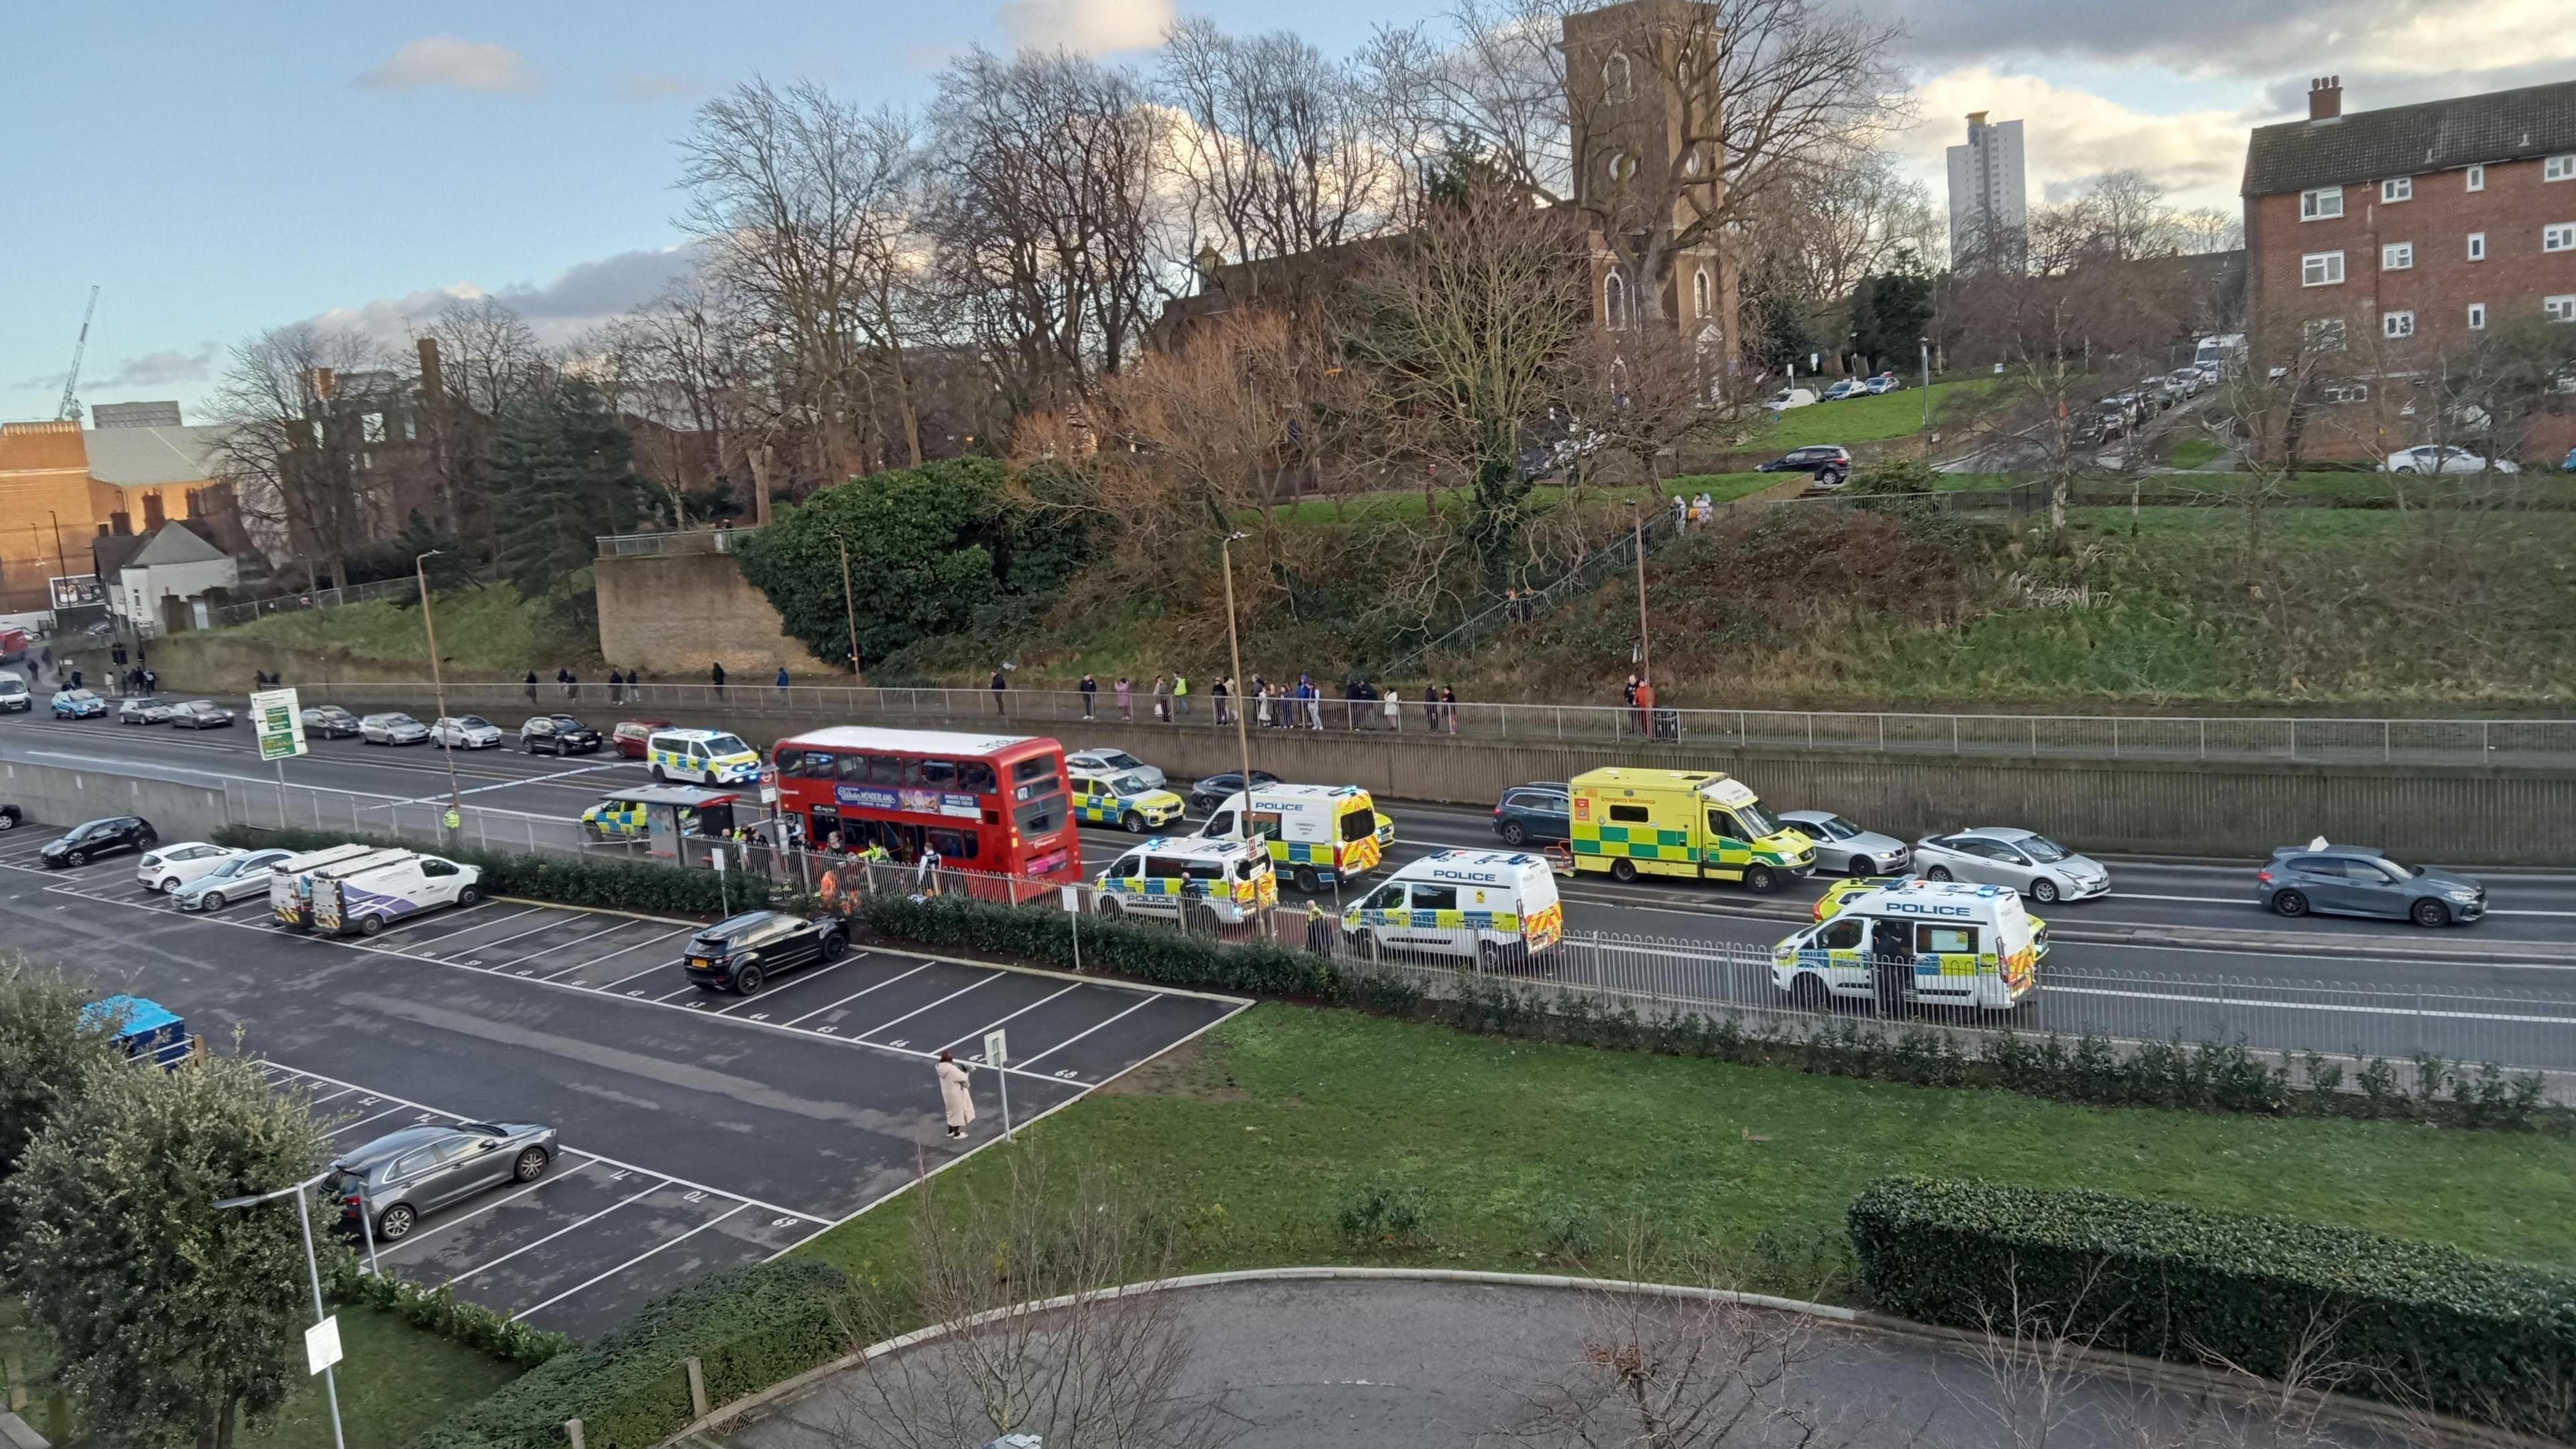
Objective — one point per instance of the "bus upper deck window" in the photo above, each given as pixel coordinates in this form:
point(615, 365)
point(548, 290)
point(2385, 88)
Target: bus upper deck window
point(977, 775)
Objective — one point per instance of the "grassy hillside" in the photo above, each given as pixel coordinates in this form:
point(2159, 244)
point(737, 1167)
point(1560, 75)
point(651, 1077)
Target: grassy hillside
point(485, 632)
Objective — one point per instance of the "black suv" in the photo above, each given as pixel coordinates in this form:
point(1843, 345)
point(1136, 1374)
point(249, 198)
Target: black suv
point(557, 734)
point(740, 952)
point(1540, 812)
point(1830, 463)
point(100, 837)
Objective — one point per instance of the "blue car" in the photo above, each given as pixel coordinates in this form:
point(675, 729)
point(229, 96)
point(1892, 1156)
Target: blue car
point(78, 704)
point(2569, 466)
point(1542, 812)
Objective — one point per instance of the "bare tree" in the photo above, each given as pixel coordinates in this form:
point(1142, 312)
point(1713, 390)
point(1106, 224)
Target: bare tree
point(1276, 150)
point(2208, 229)
point(487, 359)
point(1646, 392)
point(294, 403)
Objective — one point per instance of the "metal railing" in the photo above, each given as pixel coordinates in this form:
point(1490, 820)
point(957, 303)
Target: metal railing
point(2529, 743)
point(659, 545)
point(242, 613)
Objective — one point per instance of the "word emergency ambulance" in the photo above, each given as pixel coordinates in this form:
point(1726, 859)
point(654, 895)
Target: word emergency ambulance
point(1923, 942)
point(1696, 823)
point(707, 757)
point(1201, 883)
point(1492, 907)
point(1323, 834)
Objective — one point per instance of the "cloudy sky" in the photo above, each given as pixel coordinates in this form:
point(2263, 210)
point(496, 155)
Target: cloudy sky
point(222, 168)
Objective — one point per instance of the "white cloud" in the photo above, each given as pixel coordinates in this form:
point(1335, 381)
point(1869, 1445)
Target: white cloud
point(1087, 26)
point(452, 61)
point(576, 299)
point(159, 369)
point(2069, 134)
point(2234, 38)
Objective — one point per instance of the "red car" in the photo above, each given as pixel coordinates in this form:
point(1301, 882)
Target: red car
point(632, 735)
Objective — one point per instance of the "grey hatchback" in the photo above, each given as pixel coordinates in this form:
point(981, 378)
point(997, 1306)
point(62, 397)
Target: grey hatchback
point(401, 1175)
point(2356, 880)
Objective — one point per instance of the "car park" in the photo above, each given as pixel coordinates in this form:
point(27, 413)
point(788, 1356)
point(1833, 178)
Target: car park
point(391, 729)
point(1915, 943)
point(200, 714)
point(1829, 463)
point(634, 737)
point(372, 896)
point(11, 817)
point(1542, 812)
point(1494, 908)
point(2357, 880)
point(143, 709)
point(92, 839)
point(465, 732)
point(1206, 793)
point(1126, 801)
point(385, 1187)
point(2025, 860)
point(1116, 762)
point(1200, 882)
point(702, 757)
point(236, 877)
point(330, 722)
point(741, 953)
point(557, 734)
point(14, 698)
point(165, 868)
point(78, 704)
point(2435, 459)
point(1845, 848)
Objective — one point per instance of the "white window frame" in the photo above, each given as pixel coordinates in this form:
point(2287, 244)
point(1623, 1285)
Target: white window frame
point(2477, 178)
point(2477, 246)
point(1618, 79)
point(2558, 236)
point(2561, 308)
point(2477, 316)
point(1703, 296)
point(2399, 324)
point(1614, 301)
point(2314, 266)
point(2397, 257)
point(2397, 188)
point(2312, 203)
point(2561, 167)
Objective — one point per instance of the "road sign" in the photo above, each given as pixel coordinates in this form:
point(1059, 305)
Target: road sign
point(769, 784)
point(280, 724)
point(997, 1047)
point(322, 1345)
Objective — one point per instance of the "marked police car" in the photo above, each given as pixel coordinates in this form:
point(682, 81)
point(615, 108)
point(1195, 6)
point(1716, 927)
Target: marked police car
point(1916, 942)
point(1488, 906)
point(1128, 800)
point(1202, 883)
point(704, 757)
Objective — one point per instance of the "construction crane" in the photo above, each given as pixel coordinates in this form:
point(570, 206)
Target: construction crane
point(70, 410)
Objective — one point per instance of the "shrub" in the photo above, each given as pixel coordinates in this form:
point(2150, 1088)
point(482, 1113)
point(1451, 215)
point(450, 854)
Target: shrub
point(1565, 1227)
point(1379, 1211)
point(1128, 948)
point(438, 1310)
point(749, 1327)
point(2421, 1323)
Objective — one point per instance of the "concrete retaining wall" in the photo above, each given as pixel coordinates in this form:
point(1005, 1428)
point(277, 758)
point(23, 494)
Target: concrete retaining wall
point(60, 796)
point(675, 615)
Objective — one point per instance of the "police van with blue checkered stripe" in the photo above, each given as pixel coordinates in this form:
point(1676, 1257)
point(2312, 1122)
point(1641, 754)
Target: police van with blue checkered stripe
point(1493, 907)
point(1199, 882)
point(1916, 942)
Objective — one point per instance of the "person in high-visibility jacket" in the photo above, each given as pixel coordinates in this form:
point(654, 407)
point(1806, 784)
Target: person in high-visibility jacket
point(1319, 929)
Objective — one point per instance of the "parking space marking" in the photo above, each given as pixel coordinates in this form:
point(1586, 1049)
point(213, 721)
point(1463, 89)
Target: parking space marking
point(1079, 1035)
point(631, 1262)
point(943, 1001)
point(335, 1096)
point(339, 1127)
point(565, 946)
point(566, 1228)
point(620, 951)
point(855, 995)
point(622, 980)
point(417, 1234)
point(516, 935)
point(978, 1033)
point(799, 981)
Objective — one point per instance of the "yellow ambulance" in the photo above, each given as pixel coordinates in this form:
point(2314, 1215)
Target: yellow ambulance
point(1699, 824)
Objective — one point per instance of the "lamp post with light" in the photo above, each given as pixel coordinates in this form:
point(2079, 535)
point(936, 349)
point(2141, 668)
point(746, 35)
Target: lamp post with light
point(438, 689)
point(1234, 652)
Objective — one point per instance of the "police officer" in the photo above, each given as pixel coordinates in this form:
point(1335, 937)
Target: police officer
point(1891, 964)
point(1319, 929)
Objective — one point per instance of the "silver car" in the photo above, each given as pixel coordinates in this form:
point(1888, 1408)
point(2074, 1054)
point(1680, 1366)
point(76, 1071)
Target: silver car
point(2026, 860)
point(391, 729)
point(241, 877)
point(402, 1175)
point(1845, 847)
point(201, 714)
point(143, 709)
point(467, 732)
point(1114, 762)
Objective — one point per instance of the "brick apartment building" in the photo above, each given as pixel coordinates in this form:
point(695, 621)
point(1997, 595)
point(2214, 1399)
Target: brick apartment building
point(2394, 238)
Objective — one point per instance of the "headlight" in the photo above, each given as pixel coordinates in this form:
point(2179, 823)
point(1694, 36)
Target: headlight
point(2464, 895)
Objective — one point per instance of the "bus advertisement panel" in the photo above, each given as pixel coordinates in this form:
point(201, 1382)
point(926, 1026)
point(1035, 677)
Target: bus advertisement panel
point(989, 803)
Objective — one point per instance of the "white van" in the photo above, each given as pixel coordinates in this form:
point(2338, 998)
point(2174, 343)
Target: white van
point(1922, 942)
point(1201, 883)
point(1322, 835)
point(1493, 907)
point(14, 695)
point(365, 899)
point(290, 889)
point(704, 757)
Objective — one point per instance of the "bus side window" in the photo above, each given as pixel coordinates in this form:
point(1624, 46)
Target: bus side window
point(977, 775)
point(953, 844)
point(853, 767)
point(885, 770)
point(939, 774)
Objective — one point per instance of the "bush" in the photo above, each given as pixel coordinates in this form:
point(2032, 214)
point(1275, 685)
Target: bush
point(1139, 949)
point(1379, 1211)
point(2421, 1324)
point(1565, 1227)
point(616, 885)
point(440, 1311)
point(749, 1327)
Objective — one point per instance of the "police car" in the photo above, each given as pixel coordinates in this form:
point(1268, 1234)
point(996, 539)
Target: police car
point(1487, 906)
point(1200, 882)
point(1128, 800)
point(705, 757)
point(1918, 942)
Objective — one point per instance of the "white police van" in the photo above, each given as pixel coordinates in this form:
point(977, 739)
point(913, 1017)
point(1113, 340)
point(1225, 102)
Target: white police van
point(1490, 906)
point(1921, 942)
point(1201, 883)
point(704, 757)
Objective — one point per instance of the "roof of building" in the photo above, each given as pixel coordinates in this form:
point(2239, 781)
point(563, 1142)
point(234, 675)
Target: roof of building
point(174, 543)
point(2408, 140)
point(146, 457)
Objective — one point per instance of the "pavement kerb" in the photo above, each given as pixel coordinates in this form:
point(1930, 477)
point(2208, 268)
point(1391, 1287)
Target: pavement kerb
point(2188, 1377)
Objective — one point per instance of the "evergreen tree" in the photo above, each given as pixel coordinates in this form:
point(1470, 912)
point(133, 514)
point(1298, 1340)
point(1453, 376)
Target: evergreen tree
point(563, 473)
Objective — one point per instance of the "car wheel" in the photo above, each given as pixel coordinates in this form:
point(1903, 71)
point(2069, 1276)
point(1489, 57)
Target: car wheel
point(2044, 891)
point(8, 822)
point(468, 896)
point(747, 980)
point(1109, 909)
point(1762, 880)
point(1938, 872)
point(168, 886)
point(658, 777)
point(1308, 881)
point(531, 1165)
point(1624, 871)
point(2430, 913)
point(1808, 992)
point(396, 1223)
point(76, 857)
point(370, 925)
point(1132, 823)
point(1489, 958)
point(211, 901)
point(835, 945)
point(1514, 833)
point(2289, 903)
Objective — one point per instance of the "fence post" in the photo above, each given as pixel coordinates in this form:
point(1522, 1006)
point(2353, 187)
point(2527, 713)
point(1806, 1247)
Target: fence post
point(2204, 739)
point(1954, 734)
point(2115, 737)
point(572, 1432)
point(697, 1390)
point(2294, 739)
point(2034, 737)
point(2385, 747)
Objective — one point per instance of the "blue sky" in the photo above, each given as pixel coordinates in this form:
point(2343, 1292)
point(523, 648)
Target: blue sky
point(223, 168)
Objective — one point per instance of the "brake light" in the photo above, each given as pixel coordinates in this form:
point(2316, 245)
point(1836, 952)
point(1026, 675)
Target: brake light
point(2263, 876)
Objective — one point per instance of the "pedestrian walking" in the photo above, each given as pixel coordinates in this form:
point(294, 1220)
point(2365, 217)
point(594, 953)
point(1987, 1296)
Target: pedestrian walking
point(1126, 690)
point(1163, 698)
point(532, 689)
point(1224, 691)
point(925, 876)
point(1681, 512)
point(1314, 703)
point(1181, 693)
point(1090, 688)
point(716, 673)
point(954, 1100)
point(1261, 716)
point(616, 687)
point(1319, 928)
point(1393, 705)
point(1635, 713)
point(782, 681)
point(1449, 706)
point(1000, 687)
point(1431, 707)
point(572, 685)
point(151, 680)
point(1706, 509)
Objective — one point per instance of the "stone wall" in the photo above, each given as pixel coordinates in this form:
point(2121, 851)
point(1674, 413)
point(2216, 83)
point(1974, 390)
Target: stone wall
point(674, 615)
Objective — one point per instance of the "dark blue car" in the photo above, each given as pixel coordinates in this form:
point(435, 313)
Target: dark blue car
point(1541, 812)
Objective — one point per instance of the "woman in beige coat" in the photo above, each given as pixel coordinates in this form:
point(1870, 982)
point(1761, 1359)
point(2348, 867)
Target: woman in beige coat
point(953, 1095)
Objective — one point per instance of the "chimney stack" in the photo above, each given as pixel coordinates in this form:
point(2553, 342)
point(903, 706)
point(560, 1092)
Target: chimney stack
point(2325, 98)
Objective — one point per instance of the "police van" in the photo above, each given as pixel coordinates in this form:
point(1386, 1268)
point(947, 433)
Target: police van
point(1322, 835)
point(706, 757)
point(1921, 942)
point(290, 888)
point(1201, 883)
point(1491, 907)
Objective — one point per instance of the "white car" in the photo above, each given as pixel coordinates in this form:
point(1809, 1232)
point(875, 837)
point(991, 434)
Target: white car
point(1114, 762)
point(2432, 458)
point(1790, 397)
point(391, 729)
point(465, 732)
point(1845, 847)
point(2025, 860)
point(167, 867)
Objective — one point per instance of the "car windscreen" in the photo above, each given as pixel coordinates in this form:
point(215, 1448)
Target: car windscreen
point(1130, 785)
point(1756, 822)
point(727, 745)
point(399, 719)
point(2043, 850)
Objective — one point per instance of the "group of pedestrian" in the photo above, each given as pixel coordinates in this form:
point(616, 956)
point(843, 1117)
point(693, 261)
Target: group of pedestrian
point(1641, 708)
point(1520, 605)
point(141, 680)
point(1689, 512)
point(1364, 705)
point(621, 685)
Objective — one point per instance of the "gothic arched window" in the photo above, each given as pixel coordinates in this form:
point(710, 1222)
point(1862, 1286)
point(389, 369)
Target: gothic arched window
point(1618, 82)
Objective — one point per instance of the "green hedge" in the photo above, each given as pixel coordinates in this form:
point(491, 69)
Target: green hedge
point(2422, 1324)
point(438, 1310)
point(1143, 950)
point(617, 885)
point(749, 1327)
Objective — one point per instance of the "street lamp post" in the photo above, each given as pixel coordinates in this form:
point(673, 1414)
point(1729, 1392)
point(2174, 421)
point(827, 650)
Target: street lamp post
point(850, 602)
point(1927, 382)
point(1645, 654)
point(438, 688)
point(313, 1268)
point(1234, 652)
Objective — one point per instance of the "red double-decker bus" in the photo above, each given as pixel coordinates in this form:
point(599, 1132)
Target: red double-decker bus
point(992, 803)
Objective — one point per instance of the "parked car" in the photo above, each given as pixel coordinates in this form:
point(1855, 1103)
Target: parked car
point(242, 876)
point(88, 841)
point(1114, 762)
point(14, 695)
point(391, 729)
point(634, 737)
point(1211, 792)
point(2095, 428)
point(739, 953)
point(557, 734)
point(1845, 847)
point(1541, 812)
point(384, 1187)
point(1830, 463)
point(2433, 458)
point(2187, 380)
point(2131, 408)
point(11, 817)
point(143, 709)
point(330, 722)
point(200, 714)
point(1849, 387)
point(2356, 880)
point(78, 704)
point(465, 732)
point(1790, 397)
point(165, 868)
point(2025, 860)
point(1886, 382)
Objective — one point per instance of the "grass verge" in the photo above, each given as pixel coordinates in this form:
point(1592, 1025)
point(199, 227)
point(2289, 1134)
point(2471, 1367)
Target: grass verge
point(1864, 419)
point(1526, 1151)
